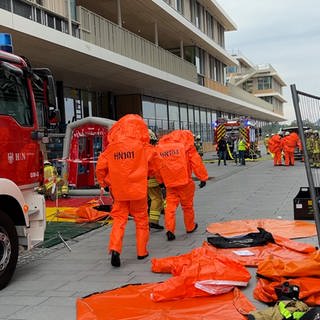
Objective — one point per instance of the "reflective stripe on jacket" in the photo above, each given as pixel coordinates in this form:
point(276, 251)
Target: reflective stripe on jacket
point(242, 145)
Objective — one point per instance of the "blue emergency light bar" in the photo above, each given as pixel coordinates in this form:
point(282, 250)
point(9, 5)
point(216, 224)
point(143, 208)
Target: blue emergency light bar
point(6, 42)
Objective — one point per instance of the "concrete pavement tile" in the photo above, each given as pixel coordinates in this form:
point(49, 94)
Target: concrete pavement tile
point(45, 312)
point(8, 310)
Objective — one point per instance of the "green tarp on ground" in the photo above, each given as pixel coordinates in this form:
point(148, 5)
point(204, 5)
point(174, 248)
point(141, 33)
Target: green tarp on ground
point(68, 230)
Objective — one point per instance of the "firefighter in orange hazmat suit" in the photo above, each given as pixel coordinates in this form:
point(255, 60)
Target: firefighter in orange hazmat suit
point(288, 144)
point(275, 148)
point(179, 159)
point(124, 167)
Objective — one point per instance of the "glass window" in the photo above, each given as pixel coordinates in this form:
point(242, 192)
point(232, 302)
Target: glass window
point(221, 35)
point(38, 15)
point(75, 30)
point(264, 83)
point(183, 116)
point(14, 98)
point(193, 5)
point(69, 109)
point(5, 4)
point(209, 25)
point(22, 9)
point(191, 118)
point(73, 9)
point(50, 20)
point(198, 16)
point(200, 61)
point(148, 108)
point(173, 116)
point(212, 66)
point(59, 24)
point(196, 121)
point(203, 123)
point(190, 54)
point(161, 116)
point(267, 99)
point(180, 6)
point(248, 86)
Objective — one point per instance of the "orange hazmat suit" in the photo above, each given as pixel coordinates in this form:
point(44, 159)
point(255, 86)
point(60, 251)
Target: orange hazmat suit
point(288, 144)
point(201, 272)
point(180, 159)
point(275, 148)
point(124, 166)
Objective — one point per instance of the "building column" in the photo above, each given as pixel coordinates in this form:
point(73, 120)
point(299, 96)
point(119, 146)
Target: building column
point(156, 35)
point(69, 17)
point(181, 49)
point(119, 13)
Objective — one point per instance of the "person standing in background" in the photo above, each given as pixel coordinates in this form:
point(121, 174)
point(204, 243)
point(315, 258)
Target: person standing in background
point(242, 147)
point(266, 143)
point(222, 151)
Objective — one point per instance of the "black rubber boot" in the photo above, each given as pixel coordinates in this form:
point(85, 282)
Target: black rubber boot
point(115, 258)
point(170, 236)
point(155, 226)
point(194, 229)
point(143, 257)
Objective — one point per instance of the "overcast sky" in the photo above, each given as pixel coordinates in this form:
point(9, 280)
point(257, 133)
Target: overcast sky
point(284, 33)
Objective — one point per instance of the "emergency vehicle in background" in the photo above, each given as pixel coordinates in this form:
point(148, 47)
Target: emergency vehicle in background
point(27, 103)
point(235, 128)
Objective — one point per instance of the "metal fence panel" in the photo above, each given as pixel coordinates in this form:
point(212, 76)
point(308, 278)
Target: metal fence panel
point(307, 109)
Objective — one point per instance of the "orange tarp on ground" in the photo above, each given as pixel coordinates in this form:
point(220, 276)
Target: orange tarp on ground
point(85, 213)
point(282, 248)
point(286, 228)
point(133, 303)
point(77, 209)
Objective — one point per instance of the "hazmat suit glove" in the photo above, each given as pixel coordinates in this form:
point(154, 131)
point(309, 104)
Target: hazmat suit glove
point(202, 184)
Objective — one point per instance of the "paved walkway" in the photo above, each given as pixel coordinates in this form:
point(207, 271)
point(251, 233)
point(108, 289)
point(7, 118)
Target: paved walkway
point(47, 283)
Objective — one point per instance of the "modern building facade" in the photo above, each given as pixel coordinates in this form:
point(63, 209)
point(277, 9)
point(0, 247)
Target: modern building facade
point(263, 81)
point(163, 59)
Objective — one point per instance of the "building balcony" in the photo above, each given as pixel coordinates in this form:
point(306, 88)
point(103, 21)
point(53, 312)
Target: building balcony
point(108, 35)
point(214, 85)
point(250, 98)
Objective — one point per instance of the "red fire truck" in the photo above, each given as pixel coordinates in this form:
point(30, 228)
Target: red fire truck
point(232, 129)
point(27, 102)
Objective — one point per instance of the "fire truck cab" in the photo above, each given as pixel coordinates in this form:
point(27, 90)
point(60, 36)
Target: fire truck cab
point(232, 130)
point(27, 100)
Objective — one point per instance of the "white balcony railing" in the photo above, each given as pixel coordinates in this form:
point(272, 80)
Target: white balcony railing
point(106, 34)
point(250, 98)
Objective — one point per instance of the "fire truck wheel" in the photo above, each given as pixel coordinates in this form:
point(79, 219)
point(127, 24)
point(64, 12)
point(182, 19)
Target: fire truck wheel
point(9, 249)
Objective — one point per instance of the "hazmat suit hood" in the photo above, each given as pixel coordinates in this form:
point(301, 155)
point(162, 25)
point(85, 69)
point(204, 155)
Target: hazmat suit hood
point(182, 136)
point(129, 126)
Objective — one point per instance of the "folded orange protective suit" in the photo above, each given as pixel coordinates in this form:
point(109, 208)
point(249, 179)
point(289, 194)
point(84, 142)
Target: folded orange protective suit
point(199, 273)
point(304, 273)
